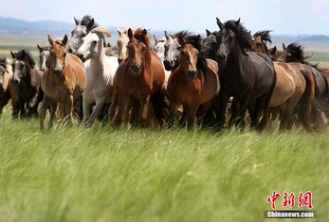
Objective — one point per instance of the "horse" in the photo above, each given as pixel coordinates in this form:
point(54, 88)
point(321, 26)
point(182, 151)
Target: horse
point(210, 42)
point(26, 80)
point(63, 81)
point(171, 51)
point(44, 52)
point(291, 86)
point(247, 76)
point(5, 79)
point(294, 54)
point(122, 43)
point(159, 46)
point(138, 81)
point(194, 82)
point(99, 87)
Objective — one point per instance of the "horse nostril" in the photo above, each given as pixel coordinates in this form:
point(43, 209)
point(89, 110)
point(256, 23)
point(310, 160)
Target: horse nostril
point(136, 68)
point(192, 73)
point(69, 50)
point(58, 70)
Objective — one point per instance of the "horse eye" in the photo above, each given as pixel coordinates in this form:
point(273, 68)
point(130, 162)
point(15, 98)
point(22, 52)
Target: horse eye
point(94, 42)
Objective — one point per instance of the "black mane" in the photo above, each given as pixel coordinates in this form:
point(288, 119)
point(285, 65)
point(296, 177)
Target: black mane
point(265, 35)
point(243, 36)
point(26, 56)
point(196, 42)
point(297, 53)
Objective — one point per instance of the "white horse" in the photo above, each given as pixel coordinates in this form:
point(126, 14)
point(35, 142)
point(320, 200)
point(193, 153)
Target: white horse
point(100, 72)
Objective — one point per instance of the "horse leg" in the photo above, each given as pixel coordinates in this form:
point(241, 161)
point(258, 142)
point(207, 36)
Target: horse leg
point(15, 106)
point(192, 110)
point(221, 114)
point(123, 99)
point(42, 111)
point(172, 112)
point(113, 108)
point(22, 109)
point(99, 105)
point(235, 107)
point(53, 107)
point(144, 111)
point(240, 121)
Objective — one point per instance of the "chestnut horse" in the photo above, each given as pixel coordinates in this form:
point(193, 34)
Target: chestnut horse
point(26, 79)
point(138, 80)
point(63, 82)
point(194, 82)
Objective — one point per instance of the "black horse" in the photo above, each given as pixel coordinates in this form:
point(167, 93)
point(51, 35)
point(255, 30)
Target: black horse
point(249, 77)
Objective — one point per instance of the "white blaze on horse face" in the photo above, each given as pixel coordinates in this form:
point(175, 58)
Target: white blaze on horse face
point(89, 47)
point(76, 40)
point(43, 58)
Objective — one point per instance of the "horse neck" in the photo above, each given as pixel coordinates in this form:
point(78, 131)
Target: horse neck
point(97, 61)
point(234, 60)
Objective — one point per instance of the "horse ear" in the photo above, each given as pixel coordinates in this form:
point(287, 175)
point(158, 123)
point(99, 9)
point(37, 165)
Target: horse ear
point(274, 50)
point(219, 23)
point(144, 32)
point(76, 21)
point(40, 49)
point(119, 32)
point(181, 39)
point(130, 33)
point(50, 40)
point(64, 41)
point(12, 54)
point(166, 35)
point(208, 32)
point(237, 22)
point(284, 47)
point(155, 39)
point(198, 38)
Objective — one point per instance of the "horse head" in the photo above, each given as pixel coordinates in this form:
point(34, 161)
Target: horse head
point(22, 64)
point(56, 59)
point(188, 58)
point(138, 50)
point(44, 52)
point(81, 29)
point(122, 43)
point(93, 43)
point(171, 51)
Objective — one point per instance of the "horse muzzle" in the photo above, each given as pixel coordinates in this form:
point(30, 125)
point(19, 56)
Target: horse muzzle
point(192, 74)
point(169, 65)
point(58, 72)
point(81, 57)
point(136, 69)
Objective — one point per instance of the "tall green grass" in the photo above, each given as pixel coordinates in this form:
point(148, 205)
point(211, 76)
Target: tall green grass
point(104, 174)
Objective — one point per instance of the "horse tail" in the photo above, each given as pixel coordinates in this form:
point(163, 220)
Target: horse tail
point(305, 104)
point(160, 105)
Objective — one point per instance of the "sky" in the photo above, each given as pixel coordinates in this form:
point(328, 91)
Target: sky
point(293, 17)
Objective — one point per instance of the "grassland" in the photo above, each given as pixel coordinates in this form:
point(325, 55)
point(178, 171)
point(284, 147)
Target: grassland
point(102, 174)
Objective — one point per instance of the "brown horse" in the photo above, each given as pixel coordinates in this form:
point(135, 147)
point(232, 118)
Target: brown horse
point(290, 85)
point(63, 82)
point(194, 82)
point(26, 80)
point(294, 53)
point(138, 81)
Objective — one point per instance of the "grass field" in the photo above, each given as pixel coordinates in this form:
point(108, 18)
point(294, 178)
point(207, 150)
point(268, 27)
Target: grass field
point(101, 174)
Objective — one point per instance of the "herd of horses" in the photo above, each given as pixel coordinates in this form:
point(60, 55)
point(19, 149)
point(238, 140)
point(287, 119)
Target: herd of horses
point(228, 78)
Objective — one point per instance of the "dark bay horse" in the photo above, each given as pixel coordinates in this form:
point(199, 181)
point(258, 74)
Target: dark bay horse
point(194, 82)
point(26, 80)
point(247, 76)
point(138, 81)
point(63, 81)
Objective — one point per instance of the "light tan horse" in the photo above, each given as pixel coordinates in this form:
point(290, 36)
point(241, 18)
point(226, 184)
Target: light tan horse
point(63, 81)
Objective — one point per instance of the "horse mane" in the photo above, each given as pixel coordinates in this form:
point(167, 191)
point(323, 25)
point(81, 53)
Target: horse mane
point(297, 54)
point(265, 35)
point(244, 38)
point(196, 42)
point(26, 56)
point(3, 63)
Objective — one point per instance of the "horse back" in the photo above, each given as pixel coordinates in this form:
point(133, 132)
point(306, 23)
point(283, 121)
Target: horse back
point(211, 85)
